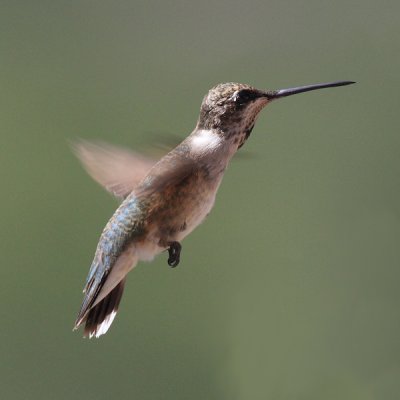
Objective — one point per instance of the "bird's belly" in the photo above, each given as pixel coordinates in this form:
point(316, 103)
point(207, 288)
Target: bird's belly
point(176, 213)
point(173, 228)
point(196, 213)
point(147, 249)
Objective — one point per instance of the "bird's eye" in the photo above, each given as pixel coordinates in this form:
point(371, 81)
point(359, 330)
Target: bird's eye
point(243, 96)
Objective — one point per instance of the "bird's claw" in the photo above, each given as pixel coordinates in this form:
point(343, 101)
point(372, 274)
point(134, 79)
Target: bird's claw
point(174, 252)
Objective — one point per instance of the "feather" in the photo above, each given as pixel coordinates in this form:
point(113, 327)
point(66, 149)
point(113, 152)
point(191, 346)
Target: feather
point(101, 316)
point(117, 169)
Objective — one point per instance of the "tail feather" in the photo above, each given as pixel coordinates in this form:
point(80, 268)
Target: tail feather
point(101, 316)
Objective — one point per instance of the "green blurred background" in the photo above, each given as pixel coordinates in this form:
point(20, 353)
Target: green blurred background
point(290, 288)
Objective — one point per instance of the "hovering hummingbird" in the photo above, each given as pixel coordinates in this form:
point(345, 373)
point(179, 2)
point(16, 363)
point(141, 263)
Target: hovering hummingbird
point(165, 200)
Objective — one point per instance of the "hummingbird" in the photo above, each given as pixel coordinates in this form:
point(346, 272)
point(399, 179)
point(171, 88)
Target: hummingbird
point(164, 201)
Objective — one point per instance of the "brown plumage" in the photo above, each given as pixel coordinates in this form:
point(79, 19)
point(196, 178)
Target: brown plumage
point(165, 200)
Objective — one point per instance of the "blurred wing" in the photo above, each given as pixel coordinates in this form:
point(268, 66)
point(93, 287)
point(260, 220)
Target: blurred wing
point(116, 169)
point(170, 172)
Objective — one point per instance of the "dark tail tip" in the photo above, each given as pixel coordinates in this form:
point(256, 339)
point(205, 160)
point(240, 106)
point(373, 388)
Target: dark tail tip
point(101, 316)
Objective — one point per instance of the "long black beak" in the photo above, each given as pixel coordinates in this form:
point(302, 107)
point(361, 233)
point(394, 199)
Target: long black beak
point(277, 94)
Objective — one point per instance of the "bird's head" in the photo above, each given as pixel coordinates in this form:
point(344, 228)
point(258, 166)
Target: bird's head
point(232, 108)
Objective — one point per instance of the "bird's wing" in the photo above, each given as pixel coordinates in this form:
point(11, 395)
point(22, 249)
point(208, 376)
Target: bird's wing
point(102, 280)
point(114, 256)
point(170, 172)
point(116, 169)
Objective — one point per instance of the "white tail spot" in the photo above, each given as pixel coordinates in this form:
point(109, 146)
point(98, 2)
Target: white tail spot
point(104, 326)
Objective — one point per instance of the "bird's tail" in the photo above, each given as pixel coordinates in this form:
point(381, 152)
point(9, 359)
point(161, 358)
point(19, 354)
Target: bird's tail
point(101, 316)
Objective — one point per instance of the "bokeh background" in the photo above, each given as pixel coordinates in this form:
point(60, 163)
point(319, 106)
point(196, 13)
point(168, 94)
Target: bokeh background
point(290, 288)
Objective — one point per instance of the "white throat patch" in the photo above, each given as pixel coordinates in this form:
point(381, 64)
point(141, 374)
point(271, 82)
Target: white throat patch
point(205, 140)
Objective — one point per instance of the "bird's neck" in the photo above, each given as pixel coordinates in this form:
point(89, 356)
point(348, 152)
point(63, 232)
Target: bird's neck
point(212, 143)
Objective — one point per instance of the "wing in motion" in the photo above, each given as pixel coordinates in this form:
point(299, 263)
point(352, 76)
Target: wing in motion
point(120, 244)
point(116, 169)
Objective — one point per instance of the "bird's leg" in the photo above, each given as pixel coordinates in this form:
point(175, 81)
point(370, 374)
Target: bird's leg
point(174, 252)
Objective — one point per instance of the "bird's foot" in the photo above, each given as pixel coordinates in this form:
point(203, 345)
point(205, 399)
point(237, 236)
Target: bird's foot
point(174, 252)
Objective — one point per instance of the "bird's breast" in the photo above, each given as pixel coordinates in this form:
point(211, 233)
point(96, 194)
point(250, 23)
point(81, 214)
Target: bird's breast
point(182, 206)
